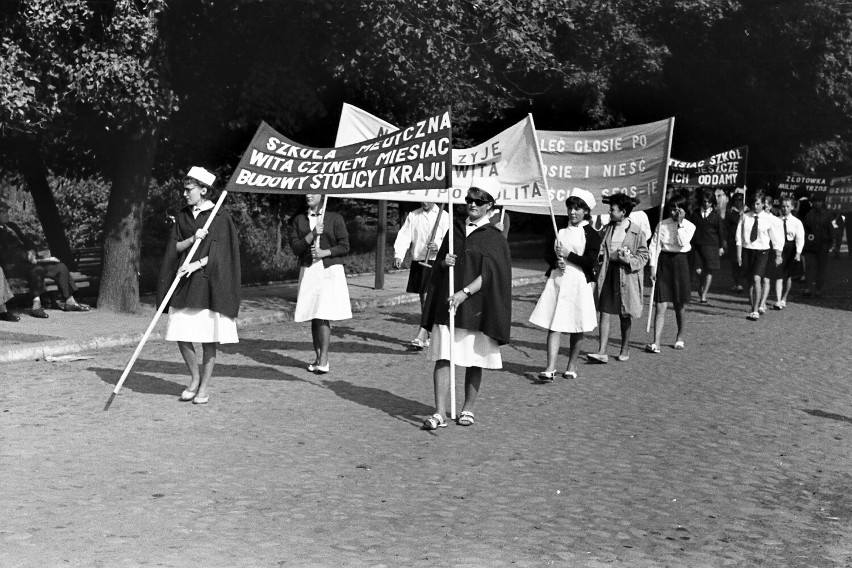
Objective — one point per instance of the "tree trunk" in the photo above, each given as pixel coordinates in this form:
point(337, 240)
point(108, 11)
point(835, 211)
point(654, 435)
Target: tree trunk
point(131, 172)
point(33, 169)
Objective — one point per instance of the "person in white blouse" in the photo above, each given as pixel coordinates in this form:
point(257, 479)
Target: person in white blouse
point(756, 234)
point(791, 256)
point(422, 234)
point(670, 269)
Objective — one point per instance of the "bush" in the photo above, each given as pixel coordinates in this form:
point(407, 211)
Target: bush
point(261, 221)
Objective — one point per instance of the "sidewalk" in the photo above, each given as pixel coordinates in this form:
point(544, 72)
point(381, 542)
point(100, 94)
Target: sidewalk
point(66, 334)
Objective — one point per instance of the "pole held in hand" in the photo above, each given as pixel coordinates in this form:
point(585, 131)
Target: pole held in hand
point(164, 303)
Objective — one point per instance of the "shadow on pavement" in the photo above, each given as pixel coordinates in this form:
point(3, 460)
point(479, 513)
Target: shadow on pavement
point(395, 406)
point(824, 414)
point(139, 381)
point(267, 352)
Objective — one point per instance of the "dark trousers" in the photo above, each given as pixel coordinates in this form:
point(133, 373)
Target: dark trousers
point(57, 272)
point(816, 262)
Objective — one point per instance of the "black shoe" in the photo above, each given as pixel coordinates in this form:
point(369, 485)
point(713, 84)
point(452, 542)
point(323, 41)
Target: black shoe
point(9, 316)
point(38, 313)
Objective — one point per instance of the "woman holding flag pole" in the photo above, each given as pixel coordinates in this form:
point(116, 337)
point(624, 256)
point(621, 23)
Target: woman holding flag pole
point(567, 303)
point(481, 302)
point(320, 240)
point(204, 304)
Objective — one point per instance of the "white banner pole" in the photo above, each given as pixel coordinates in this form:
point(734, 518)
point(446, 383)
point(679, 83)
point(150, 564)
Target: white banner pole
point(543, 176)
point(452, 310)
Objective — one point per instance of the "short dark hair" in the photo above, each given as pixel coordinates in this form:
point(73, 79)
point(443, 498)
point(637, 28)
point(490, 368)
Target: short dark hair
point(709, 195)
point(623, 202)
point(752, 198)
point(677, 200)
point(575, 202)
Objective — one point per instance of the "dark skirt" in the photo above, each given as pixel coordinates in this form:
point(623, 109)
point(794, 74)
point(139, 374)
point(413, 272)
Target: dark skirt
point(609, 300)
point(418, 278)
point(705, 257)
point(790, 268)
point(773, 271)
point(672, 278)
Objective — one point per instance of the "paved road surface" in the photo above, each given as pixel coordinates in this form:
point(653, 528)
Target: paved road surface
point(734, 452)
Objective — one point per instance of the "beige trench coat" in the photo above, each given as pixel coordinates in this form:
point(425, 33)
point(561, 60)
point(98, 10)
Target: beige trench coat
point(632, 275)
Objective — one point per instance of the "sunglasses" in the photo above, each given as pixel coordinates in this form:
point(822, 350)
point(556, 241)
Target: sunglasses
point(477, 202)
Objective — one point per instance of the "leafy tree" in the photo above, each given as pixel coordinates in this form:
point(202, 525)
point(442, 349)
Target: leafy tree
point(95, 69)
point(767, 73)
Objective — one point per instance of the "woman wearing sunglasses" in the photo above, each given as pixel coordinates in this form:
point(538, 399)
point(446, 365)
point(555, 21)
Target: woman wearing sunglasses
point(481, 297)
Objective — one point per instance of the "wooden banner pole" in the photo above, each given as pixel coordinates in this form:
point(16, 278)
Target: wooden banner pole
point(432, 236)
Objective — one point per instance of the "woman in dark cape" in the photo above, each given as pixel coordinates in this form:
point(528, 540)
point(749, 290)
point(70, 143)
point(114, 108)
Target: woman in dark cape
point(204, 306)
point(482, 299)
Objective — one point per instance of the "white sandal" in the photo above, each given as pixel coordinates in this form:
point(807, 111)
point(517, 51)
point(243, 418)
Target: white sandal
point(466, 418)
point(434, 422)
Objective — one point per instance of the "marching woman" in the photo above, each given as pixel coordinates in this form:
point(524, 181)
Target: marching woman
point(670, 269)
point(567, 304)
point(320, 240)
point(482, 299)
point(204, 306)
point(708, 243)
point(623, 255)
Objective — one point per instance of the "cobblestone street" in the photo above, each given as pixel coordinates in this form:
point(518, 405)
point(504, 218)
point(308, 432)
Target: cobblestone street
point(733, 452)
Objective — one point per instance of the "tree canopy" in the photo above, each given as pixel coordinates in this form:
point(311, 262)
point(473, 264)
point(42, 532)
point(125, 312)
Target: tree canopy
point(135, 88)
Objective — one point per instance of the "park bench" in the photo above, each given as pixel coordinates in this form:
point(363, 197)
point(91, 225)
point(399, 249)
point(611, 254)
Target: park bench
point(87, 263)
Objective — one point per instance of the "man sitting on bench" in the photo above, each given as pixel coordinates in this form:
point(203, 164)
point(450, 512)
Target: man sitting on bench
point(6, 295)
point(18, 259)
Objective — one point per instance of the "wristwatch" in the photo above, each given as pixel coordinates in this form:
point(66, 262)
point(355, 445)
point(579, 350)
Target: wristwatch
point(466, 290)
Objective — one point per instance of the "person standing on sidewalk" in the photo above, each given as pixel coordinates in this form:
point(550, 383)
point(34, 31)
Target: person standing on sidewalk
point(623, 255)
point(320, 240)
point(670, 269)
point(205, 304)
point(756, 234)
point(482, 299)
point(708, 242)
point(567, 303)
point(425, 223)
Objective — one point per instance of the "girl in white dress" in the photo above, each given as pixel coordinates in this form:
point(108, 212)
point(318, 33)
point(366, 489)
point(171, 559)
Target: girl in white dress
point(320, 240)
point(567, 304)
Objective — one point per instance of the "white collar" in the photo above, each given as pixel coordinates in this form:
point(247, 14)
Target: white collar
point(484, 220)
point(205, 205)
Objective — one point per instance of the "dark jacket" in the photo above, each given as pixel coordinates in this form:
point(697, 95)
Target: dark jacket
point(818, 230)
point(588, 261)
point(14, 245)
point(215, 286)
point(709, 231)
point(485, 252)
point(334, 238)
